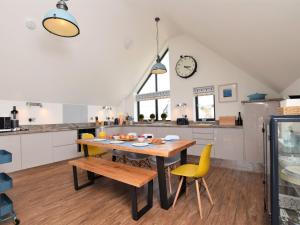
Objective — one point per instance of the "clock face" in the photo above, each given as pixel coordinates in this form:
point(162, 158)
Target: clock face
point(186, 66)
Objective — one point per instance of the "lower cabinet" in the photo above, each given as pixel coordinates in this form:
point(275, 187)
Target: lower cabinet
point(11, 143)
point(36, 149)
point(229, 143)
point(65, 152)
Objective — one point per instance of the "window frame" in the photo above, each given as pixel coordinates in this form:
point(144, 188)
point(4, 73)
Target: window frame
point(197, 110)
point(156, 90)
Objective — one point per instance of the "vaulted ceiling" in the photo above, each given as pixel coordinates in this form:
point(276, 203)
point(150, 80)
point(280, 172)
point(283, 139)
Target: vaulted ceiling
point(117, 44)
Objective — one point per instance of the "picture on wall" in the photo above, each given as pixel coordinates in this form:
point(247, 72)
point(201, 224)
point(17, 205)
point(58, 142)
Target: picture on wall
point(228, 93)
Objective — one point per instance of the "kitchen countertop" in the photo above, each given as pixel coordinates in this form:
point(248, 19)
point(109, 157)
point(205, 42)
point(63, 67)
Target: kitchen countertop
point(31, 129)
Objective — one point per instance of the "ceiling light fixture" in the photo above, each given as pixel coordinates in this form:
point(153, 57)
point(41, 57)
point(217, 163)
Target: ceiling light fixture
point(158, 67)
point(60, 22)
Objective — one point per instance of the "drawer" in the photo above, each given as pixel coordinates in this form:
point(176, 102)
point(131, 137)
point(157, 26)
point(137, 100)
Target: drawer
point(208, 136)
point(65, 152)
point(203, 130)
point(197, 150)
point(204, 141)
point(64, 138)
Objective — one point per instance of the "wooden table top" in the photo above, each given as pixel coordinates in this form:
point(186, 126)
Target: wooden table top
point(170, 148)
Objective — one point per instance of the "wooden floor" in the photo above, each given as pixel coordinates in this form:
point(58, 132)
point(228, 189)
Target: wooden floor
point(45, 195)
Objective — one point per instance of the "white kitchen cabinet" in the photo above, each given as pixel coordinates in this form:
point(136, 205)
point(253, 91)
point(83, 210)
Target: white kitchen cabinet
point(36, 149)
point(229, 143)
point(64, 145)
point(202, 136)
point(65, 152)
point(12, 144)
point(64, 138)
point(110, 130)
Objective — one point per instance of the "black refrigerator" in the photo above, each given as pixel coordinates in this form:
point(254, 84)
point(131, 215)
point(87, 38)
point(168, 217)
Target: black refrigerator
point(285, 170)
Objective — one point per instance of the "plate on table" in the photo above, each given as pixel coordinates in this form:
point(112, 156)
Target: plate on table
point(116, 142)
point(140, 144)
point(99, 139)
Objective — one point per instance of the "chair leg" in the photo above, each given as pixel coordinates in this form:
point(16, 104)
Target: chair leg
point(208, 193)
point(178, 191)
point(169, 179)
point(187, 189)
point(199, 199)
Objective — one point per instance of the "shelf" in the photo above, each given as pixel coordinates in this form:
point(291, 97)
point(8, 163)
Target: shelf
point(5, 157)
point(263, 100)
point(6, 206)
point(5, 182)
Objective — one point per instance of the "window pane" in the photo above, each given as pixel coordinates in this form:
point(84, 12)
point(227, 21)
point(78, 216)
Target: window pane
point(206, 107)
point(163, 80)
point(147, 108)
point(164, 106)
point(149, 86)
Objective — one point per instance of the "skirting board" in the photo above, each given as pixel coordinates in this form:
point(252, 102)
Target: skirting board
point(231, 164)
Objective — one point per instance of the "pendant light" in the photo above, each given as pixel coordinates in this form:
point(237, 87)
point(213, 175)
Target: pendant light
point(158, 67)
point(60, 22)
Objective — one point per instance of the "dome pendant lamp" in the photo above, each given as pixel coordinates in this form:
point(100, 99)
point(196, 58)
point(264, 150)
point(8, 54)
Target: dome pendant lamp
point(60, 22)
point(158, 67)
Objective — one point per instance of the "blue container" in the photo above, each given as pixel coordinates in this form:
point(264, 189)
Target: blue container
point(5, 182)
point(257, 97)
point(5, 156)
point(6, 206)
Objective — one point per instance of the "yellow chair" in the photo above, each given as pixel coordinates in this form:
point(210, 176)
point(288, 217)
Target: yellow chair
point(93, 151)
point(196, 172)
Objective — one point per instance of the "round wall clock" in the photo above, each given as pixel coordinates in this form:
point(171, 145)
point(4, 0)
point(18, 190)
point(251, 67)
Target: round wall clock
point(186, 66)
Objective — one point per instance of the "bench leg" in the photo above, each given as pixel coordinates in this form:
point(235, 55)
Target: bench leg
point(76, 185)
point(134, 207)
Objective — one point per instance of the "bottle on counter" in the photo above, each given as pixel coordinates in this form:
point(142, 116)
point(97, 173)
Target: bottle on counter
point(239, 120)
point(102, 133)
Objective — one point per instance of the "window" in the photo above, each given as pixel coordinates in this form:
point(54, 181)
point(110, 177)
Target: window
point(205, 107)
point(154, 85)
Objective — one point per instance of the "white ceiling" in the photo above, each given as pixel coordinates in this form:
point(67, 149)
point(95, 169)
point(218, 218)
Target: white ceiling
point(117, 43)
point(262, 37)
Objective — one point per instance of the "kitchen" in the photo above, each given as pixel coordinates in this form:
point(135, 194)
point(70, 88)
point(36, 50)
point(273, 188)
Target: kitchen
point(183, 90)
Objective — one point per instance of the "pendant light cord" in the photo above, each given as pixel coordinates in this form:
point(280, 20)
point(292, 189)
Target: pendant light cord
point(157, 38)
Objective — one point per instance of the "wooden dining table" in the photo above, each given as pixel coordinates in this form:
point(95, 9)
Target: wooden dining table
point(162, 151)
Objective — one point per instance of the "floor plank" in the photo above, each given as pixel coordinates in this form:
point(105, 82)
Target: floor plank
point(45, 196)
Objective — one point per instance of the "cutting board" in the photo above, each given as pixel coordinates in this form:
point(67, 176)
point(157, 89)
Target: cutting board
point(227, 120)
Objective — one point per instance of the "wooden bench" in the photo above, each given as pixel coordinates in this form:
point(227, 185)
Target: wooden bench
point(135, 177)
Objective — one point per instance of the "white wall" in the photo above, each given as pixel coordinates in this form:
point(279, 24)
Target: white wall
point(50, 113)
point(293, 89)
point(94, 110)
point(212, 70)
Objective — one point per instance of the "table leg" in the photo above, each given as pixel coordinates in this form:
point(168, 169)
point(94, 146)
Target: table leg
point(90, 175)
point(183, 160)
point(165, 201)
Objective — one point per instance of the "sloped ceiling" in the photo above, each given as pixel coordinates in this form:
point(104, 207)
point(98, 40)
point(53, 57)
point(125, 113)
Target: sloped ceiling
point(260, 36)
point(100, 66)
point(117, 43)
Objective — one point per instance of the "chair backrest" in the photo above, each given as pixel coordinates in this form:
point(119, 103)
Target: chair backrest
point(171, 137)
point(204, 162)
point(87, 136)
